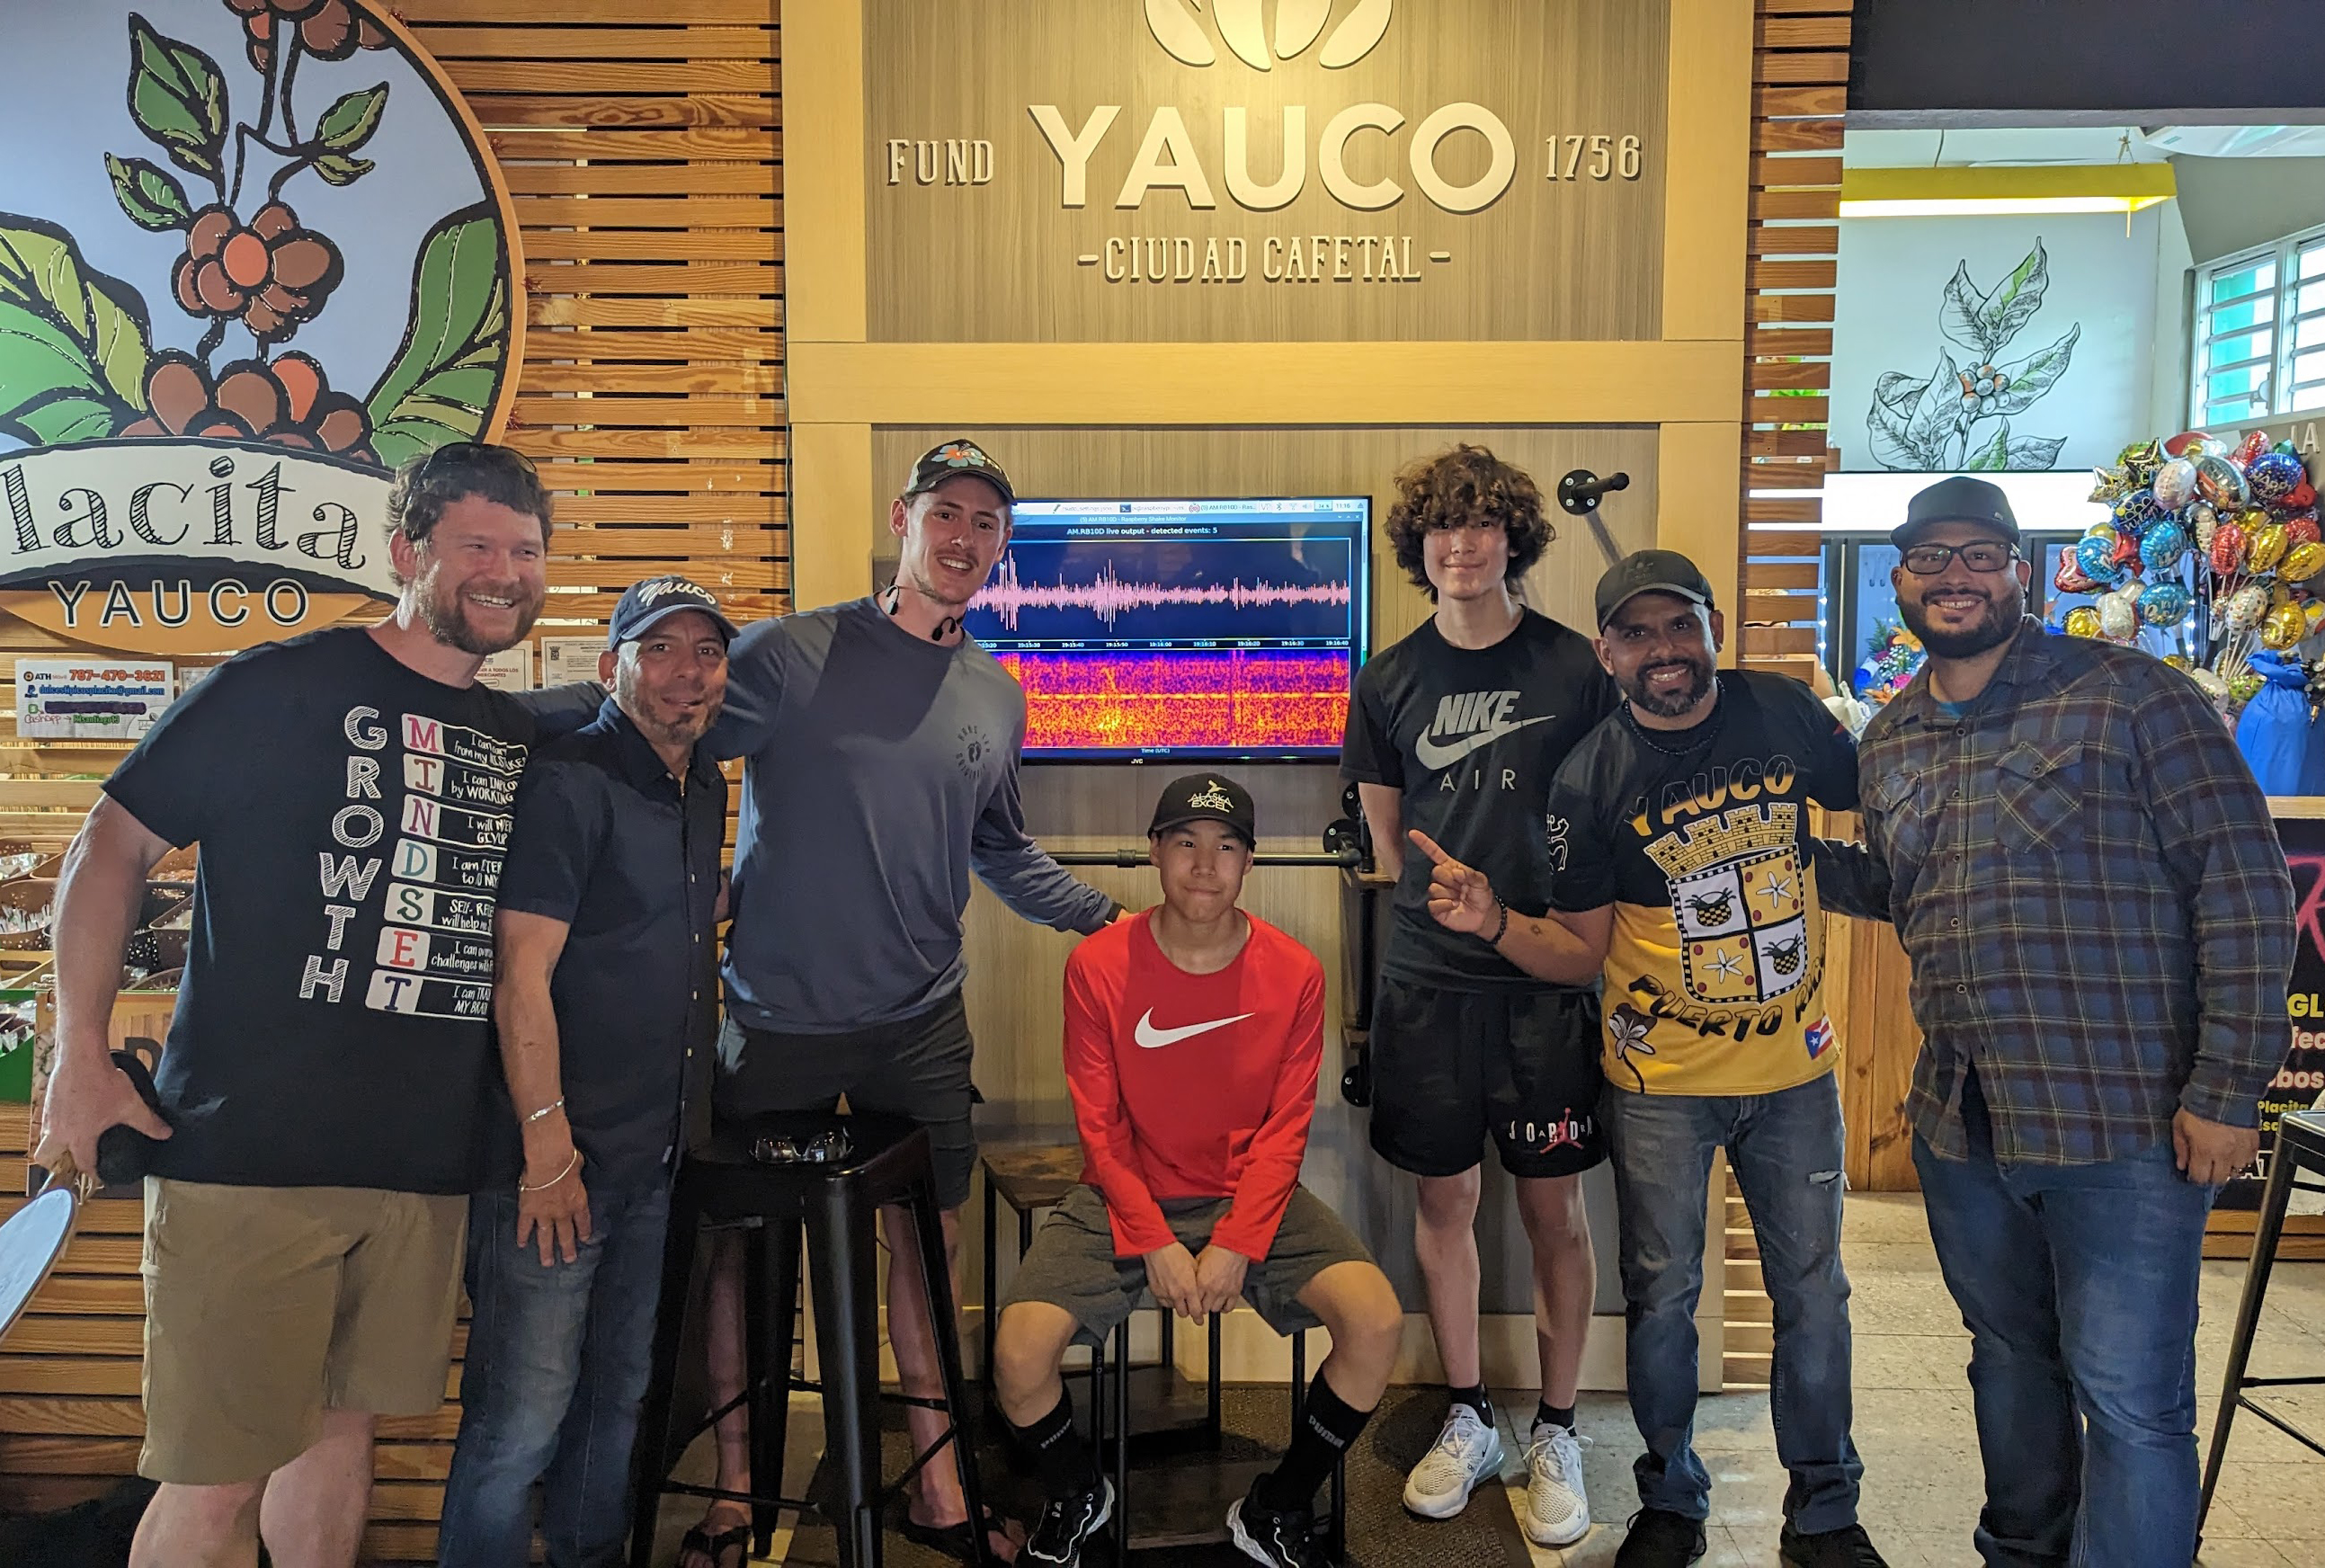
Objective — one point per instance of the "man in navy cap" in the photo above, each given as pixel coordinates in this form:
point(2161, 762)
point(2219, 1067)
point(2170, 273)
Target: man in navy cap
point(607, 1007)
point(2099, 919)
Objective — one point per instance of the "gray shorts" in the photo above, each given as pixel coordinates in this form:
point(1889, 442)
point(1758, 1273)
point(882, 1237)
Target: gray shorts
point(1072, 1263)
point(916, 1067)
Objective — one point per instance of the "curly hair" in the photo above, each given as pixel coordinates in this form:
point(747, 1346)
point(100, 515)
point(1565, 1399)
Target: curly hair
point(1460, 485)
point(427, 484)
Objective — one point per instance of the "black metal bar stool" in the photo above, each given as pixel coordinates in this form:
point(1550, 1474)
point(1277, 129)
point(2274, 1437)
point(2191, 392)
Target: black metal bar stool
point(1110, 1434)
point(2300, 1148)
point(837, 1200)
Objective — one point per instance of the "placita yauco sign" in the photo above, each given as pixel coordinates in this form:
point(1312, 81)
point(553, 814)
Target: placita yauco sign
point(1369, 157)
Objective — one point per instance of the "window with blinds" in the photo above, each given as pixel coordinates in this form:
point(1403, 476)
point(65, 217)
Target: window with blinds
point(2260, 333)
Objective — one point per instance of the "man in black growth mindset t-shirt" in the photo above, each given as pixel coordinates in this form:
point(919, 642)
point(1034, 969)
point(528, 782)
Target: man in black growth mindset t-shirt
point(1457, 732)
point(328, 1064)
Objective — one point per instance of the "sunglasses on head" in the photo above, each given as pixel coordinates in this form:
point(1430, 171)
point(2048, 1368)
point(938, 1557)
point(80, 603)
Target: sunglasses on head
point(474, 452)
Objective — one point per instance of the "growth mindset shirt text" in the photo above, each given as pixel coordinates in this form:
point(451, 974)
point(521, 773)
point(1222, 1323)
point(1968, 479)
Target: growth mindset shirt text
point(428, 804)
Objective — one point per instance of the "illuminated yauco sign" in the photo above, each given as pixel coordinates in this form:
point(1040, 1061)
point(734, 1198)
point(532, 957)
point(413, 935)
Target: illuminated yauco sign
point(1293, 104)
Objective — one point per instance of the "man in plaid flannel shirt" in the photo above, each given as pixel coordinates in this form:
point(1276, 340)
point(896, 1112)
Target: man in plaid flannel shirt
point(2100, 924)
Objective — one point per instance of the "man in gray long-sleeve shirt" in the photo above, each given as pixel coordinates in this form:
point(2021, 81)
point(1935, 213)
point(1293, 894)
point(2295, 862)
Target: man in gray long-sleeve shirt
point(881, 748)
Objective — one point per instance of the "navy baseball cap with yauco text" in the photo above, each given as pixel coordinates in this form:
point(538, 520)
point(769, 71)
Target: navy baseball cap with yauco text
point(657, 599)
point(1205, 797)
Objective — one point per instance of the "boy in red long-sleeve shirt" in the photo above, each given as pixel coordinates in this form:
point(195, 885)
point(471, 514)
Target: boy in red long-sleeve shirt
point(1193, 1036)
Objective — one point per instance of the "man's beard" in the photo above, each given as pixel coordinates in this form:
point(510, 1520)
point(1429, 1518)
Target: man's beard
point(658, 730)
point(1668, 704)
point(446, 616)
point(1996, 627)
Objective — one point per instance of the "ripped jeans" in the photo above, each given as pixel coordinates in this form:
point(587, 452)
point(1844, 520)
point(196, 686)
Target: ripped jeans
point(1785, 1149)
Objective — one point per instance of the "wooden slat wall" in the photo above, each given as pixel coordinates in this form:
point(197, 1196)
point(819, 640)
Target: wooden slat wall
point(641, 145)
point(1801, 90)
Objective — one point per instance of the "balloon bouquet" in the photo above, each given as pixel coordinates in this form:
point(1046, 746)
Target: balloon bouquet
point(2248, 512)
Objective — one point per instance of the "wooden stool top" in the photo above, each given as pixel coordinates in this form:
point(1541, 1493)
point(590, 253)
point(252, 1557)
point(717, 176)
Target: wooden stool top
point(1035, 1176)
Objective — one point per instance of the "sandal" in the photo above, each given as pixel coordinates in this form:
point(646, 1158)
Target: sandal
point(713, 1548)
point(954, 1540)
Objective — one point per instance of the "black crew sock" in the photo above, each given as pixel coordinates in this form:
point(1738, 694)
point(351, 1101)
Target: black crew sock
point(1059, 1456)
point(1545, 1414)
point(1475, 1398)
point(1328, 1426)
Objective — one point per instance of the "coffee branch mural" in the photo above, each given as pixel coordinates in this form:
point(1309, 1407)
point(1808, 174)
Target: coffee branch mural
point(1958, 418)
point(245, 157)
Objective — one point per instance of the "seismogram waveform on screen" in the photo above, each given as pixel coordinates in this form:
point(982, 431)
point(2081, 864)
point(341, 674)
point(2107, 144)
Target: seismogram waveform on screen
point(1108, 596)
point(1251, 699)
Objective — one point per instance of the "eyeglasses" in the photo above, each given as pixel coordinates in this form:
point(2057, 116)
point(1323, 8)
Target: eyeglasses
point(1929, 560)
point(825, 1148)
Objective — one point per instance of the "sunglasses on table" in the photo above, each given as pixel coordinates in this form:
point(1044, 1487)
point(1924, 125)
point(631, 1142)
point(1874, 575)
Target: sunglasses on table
point(825, 1148)
point(1929, 560)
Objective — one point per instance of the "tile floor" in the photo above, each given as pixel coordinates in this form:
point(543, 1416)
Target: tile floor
point(1913, 1425)
point(1914, 1430)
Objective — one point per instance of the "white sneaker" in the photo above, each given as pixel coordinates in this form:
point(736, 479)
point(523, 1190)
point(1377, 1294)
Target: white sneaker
point(1468, 1452)
point(1557, 1512)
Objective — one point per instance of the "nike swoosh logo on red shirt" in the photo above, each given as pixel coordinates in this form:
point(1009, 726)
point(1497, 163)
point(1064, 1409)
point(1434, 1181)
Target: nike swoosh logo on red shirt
point(1154, 1039)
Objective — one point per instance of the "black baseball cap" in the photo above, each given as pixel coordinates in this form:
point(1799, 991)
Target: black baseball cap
point(1959, 500)
point(1651, 571)
point(657, 599)
point(952, 459)
point(1204, 797)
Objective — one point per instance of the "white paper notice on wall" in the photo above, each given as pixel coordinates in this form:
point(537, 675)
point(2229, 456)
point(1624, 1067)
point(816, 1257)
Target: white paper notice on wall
point(510, 669)
point(99, 698)
point(565, 660)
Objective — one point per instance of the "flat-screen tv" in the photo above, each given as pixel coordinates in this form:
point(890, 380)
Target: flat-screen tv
point(1182, 629)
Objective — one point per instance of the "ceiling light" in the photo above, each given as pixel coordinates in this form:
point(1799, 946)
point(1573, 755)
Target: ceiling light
point(1957, 190)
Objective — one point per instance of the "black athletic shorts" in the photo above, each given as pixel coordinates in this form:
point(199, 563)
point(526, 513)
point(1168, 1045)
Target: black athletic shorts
point(916, 1067)
point(1451, 1068)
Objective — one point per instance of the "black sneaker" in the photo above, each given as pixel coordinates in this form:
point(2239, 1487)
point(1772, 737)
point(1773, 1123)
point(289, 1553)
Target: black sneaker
point(1284, 1540)
point(1846, 1547)
point(1661, 1539)
point(1065, 1524)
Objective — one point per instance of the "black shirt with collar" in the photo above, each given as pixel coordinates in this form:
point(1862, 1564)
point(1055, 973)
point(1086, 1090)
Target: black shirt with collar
point(605, 841)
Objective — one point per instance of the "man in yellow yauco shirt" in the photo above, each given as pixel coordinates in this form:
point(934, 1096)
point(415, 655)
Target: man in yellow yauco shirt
point(1678, 835)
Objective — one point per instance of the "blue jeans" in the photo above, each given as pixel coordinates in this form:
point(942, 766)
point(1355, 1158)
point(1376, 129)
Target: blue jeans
point(2077, 1283)
point(1785, 1149)
point(557, 1365)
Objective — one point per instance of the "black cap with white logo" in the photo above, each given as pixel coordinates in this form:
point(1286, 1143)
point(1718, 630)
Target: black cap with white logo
point(1651, 571)
point(1205, 797)
point(658, 598)
point(950, 461)
point(1959, 499)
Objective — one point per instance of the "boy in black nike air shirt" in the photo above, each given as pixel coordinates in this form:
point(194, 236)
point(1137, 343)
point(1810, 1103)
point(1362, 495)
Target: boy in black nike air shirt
point(1457, 731)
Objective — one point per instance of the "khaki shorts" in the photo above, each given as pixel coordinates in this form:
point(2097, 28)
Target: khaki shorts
point(266, 1306)
point(1072, 1264)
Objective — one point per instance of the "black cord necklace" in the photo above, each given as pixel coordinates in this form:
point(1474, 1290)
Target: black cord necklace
point(1696, 738)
